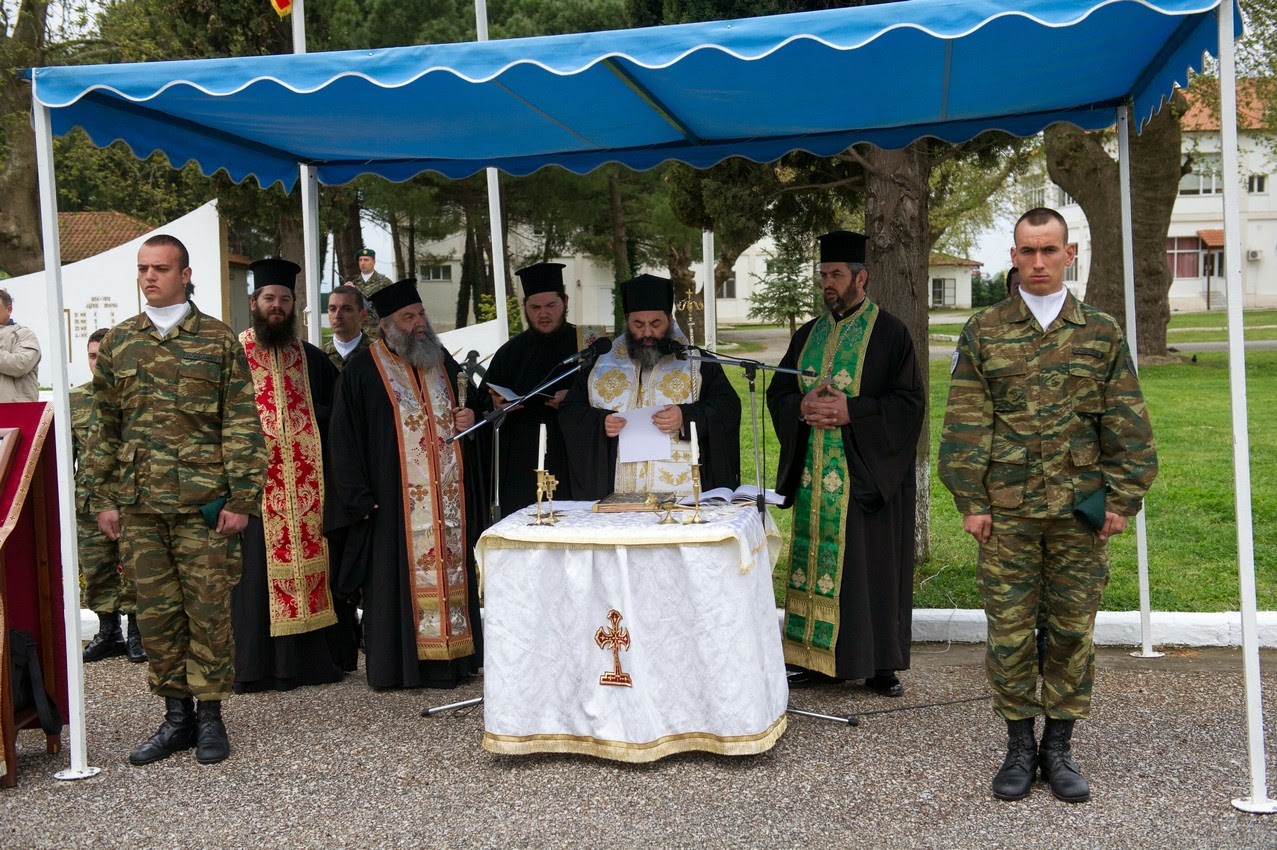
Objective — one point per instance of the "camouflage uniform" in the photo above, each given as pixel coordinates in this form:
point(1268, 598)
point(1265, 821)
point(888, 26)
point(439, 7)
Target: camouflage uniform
point(1036, 422)
point(376, 283)
point(330, 348)
point(177, 429)
point(105, 587)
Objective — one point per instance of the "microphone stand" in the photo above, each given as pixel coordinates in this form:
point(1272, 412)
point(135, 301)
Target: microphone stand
point(495, 417)
point(750, 368)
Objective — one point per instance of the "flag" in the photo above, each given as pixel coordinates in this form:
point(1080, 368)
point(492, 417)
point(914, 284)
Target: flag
point(282, 7)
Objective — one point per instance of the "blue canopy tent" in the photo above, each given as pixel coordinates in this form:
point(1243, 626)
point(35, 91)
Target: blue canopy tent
point(695, 93)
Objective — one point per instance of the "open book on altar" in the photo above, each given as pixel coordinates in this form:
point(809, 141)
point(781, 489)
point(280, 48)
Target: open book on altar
point(745, 494)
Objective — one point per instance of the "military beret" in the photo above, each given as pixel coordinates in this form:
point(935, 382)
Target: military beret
point(366, 252)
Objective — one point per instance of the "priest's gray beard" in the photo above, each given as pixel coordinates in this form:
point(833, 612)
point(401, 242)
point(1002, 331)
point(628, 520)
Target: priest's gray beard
point(274, 331)
point(647, 356)
point(419, 351)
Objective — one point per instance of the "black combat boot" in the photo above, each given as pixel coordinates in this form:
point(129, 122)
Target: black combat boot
point(1057, 763)
point(108, 641)
point(1015, 778)
point(135, 651)
point(213, 745)
point(177, 732)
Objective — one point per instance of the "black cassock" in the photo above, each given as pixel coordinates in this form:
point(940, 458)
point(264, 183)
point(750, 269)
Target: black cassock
point(876, 598)
point(374, 556)
point(262, 662)
point(716, 412)
point(521, 364)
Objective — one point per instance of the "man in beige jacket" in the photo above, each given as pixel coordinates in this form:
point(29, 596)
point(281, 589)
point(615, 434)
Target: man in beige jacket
point(19, 356)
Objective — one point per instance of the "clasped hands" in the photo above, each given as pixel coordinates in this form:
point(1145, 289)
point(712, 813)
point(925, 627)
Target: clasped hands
point(824, 407)
point(668, 420)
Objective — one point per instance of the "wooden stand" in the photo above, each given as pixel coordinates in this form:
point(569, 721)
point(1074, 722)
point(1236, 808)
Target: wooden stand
point(30, 568)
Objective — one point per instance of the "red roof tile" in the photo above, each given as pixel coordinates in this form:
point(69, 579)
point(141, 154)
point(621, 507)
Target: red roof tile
point(1203, 110)
point(86, 234)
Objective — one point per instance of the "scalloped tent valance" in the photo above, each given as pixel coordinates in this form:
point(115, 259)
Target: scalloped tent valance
point(697, 93)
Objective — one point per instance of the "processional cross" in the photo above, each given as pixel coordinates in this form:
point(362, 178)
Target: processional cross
point(614, 638)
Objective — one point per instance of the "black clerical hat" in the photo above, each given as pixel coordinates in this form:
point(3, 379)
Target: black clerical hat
point(541, 277)
point(842, 246)
point(391, 299)
point(647, 292)
point(274, 272)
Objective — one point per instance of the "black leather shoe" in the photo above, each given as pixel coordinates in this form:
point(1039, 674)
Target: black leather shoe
point(212, 745)
point(108, 642)
point(812, 679)
point(1015, 777)
point(1056, 763)
point(133, 643)
point(177, 732)
point(885, 685)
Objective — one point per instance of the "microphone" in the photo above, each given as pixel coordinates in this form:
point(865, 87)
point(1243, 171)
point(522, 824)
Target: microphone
point(589, 353)
point(672, 346)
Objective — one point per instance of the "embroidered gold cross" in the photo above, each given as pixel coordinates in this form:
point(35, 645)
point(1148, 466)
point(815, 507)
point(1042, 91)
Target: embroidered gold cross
point(614, 639)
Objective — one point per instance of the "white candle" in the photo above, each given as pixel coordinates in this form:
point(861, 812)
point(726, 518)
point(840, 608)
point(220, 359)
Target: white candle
point(541, 450)
point(696, 448)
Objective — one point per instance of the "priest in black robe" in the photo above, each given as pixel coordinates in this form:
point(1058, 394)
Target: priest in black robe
point(410, 503)
point(643, 369)
point(521, 365)
point(848, 438)
point(299, 646)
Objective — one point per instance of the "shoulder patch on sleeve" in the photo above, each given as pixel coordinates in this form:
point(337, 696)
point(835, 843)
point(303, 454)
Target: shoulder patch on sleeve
point(953, 362)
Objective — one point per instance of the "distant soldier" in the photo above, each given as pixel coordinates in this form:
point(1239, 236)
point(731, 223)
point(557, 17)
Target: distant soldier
point(347, 313)
point(107, 591)
point(368, 281)
point(176, 464)
point(1048, 450)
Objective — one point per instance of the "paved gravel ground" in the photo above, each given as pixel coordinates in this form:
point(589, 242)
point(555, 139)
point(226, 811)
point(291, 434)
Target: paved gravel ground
point(343, 766)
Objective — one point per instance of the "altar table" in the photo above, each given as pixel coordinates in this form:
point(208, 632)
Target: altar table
point(618, 637)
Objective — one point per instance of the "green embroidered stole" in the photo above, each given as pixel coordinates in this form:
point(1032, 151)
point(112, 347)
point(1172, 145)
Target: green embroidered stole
point(835, 351)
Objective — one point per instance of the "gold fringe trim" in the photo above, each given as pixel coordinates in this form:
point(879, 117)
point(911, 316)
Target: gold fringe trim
point(736, 745)
point(456, 648)
point(312, 623)
point(810, 659)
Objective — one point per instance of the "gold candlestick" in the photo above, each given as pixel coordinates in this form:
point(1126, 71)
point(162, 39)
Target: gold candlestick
point(463, 387)
point(695, 518)
point(546, 484)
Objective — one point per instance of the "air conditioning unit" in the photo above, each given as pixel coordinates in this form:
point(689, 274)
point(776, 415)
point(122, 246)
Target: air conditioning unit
point(1254, 254)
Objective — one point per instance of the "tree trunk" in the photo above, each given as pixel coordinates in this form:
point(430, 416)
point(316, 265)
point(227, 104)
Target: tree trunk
point(20, 243)
point(1079, 163)
point(896, 211)
point(348, 240)
point(469, 259)
point(688, 310)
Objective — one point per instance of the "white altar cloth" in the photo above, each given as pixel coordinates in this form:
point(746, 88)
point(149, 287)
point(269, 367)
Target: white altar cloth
point(704, 660)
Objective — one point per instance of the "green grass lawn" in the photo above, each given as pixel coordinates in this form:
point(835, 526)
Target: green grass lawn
point(1192, 542)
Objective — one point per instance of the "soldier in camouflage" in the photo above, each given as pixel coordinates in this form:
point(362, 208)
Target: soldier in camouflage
point(368, 281)
point(347, 313)
point(1048, 450)
point(107, 591)
point(175, 464)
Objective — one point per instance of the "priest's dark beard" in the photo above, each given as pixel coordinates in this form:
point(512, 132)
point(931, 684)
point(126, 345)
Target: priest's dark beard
point(419, 351)
point(273, 335)
point(647, 357)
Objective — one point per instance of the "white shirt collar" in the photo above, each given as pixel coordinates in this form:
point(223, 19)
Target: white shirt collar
point(167, 318)
point(1045, 307)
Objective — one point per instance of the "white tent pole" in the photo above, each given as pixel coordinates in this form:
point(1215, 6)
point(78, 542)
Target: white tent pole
point(311, 265)
point(1128, 275)
point(310, 242)
point(710, 293)
point(1258, 801)
point(494, 208)
point(62, 436)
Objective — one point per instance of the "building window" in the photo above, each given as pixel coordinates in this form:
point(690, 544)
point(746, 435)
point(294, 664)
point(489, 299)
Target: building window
point(1184, 256)
point(1066, 200)
point(1036, 197)
point(944, 291)
point(1257, 184)
point(443, 272)
point(1205, 177)
point(727, 288)
point(1070, 271)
